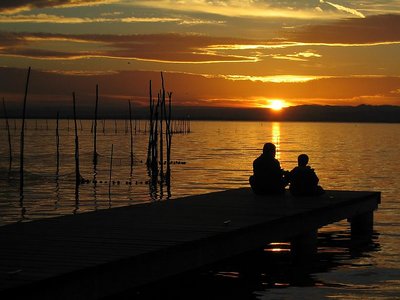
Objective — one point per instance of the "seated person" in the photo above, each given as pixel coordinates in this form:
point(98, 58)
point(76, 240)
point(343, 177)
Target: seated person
point(268, 177)
point(303, 180)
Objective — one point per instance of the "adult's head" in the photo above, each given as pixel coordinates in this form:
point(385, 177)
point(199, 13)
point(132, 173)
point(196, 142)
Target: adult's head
point(302, 160)
point(269, 149)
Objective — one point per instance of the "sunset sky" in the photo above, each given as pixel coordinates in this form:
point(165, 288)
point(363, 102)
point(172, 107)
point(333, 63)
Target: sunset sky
point(226, 53)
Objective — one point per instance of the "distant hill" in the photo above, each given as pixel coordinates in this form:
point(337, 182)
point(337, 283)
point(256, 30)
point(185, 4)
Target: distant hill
point(310, 113)
point(361, 113)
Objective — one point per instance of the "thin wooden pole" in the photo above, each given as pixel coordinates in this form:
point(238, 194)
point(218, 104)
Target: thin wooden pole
point(150, 145)
point(8, 132)
point(162, 111)
point(162, 135)
point(155, 139)
point(131, 134)
point(21, 169)
point(58, 144)
point(95, 126)
point(77, 173)
point(169, 139)
point(111, 165)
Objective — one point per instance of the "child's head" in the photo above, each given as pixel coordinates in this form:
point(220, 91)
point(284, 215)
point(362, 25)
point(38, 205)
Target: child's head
point(302, 160)
point(269, 149)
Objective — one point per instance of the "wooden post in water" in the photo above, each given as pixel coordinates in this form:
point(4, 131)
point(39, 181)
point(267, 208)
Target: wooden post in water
point(95, 126)
point(169, 140)
point(304, 246)
point(362, 225)
point(155, 141)
point(162, 102)
point(58, 144)
point(131, 134)
point(163, 116)
point(150, 145)
point(8, 133)
point(77, 173)
point(21, 166)
point(110, 174)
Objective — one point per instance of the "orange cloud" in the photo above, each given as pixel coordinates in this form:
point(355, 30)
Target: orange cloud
point(344, 8)
point(196, 90)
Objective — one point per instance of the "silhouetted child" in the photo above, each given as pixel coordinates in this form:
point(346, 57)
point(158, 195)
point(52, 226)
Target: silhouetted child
point(268, 177)
point(303, 180)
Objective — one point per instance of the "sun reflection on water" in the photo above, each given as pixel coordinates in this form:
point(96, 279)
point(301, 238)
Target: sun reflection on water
point(276, 137)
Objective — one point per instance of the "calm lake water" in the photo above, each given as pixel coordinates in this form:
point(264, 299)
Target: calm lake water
point(217, 156)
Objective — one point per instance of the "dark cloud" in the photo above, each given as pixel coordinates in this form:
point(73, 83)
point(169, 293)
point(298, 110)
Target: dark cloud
point(165, 47)
point(38, 53)
point(373, 29)
point(10, 39)
point(17, 5)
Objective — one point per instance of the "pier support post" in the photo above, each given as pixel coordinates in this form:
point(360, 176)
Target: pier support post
point(304, 245)
point(362, 225)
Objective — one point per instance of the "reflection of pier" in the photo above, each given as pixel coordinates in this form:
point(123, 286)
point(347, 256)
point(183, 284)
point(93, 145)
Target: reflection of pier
point(100, 253)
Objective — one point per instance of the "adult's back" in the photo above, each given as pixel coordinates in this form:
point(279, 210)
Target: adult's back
point(267, 173)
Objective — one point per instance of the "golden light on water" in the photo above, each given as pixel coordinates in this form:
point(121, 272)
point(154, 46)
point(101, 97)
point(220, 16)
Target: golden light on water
point(278, 247)
point(276, 137)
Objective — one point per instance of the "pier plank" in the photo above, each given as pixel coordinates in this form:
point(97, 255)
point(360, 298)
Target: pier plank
point(91, 255)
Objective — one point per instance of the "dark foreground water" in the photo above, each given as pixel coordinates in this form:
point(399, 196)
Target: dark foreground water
point(218, 156)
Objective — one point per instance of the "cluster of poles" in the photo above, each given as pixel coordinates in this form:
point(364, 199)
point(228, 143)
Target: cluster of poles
point(161, 128)
point(160, 115)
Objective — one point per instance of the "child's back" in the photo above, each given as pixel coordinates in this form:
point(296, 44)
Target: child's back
point(303, 180)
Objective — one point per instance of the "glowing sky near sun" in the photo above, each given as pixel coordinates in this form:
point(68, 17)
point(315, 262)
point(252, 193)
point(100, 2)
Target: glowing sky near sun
point(215, 53)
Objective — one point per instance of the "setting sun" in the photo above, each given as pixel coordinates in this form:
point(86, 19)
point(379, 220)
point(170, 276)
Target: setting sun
point(276, 104)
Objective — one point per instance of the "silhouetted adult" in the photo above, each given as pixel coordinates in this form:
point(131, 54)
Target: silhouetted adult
point(268, 177)
point(303, 180)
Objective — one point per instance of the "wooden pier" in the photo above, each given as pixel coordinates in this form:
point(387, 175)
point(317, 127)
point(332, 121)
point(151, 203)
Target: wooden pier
point(97, 254)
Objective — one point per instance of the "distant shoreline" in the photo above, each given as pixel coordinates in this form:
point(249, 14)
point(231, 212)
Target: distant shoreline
point(301, 113)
